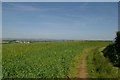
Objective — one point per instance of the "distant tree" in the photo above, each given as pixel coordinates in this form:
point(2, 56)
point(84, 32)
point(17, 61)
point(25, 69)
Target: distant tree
point(12, 41)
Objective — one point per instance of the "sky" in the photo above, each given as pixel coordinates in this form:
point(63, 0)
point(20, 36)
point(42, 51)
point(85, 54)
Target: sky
point(60, 20)
point(60, 0)
point(0, 21)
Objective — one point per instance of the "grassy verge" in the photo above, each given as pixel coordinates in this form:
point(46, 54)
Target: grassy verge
point(0, 61)
point(99, 66)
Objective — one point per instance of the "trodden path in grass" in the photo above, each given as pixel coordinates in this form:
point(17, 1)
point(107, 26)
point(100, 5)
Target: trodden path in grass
point(82, 70)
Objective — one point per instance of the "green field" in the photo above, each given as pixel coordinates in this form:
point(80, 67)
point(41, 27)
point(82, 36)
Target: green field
point(49, 59)
point(0, 60)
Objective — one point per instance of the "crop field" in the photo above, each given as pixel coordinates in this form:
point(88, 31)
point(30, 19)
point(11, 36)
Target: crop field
point(0, 61)
point(47, 59)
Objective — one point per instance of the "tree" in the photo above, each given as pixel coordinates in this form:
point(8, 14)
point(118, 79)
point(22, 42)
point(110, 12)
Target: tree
point(117, 42)
point(112, 51)
point(117, 46)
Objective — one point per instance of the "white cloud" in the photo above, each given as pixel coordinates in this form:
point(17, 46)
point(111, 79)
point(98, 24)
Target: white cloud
point(23, 7)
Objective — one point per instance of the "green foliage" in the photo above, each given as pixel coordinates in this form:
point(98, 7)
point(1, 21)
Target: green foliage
point(0, 61)
point(117, 41)
point(117, 45)
point(99, 66)
point(43, 60)
point(112, 52)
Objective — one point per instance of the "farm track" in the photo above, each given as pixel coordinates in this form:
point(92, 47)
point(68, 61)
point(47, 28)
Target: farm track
point(82, 70)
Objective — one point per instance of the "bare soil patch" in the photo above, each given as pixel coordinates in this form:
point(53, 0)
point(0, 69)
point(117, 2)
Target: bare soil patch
point(82, 71)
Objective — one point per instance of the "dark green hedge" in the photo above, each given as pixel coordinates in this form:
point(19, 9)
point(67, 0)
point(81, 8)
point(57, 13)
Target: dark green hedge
point(112, 51)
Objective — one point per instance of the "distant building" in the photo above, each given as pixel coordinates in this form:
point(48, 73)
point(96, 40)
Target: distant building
point(5, 42)
point(18, 41)
point(14, 41)
point(22, 41)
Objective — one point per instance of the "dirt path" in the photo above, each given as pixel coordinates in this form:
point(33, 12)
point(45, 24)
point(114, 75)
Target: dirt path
point(83, 66)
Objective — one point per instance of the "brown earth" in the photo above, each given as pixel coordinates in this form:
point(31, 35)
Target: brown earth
point(82, 71)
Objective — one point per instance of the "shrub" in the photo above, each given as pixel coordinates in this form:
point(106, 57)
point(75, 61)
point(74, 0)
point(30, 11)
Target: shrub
point(112, 51)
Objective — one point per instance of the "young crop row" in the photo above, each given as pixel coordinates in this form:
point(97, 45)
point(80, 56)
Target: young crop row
point(42, 60)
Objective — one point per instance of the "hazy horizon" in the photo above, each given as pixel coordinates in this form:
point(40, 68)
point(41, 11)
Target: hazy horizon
point(42, 39)
point(60, 20)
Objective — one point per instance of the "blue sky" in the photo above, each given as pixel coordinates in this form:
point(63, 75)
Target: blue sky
point(80, 20)
point(0, 21)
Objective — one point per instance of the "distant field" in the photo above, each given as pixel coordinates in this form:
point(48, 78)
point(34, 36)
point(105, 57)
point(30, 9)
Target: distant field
point(45, 59)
